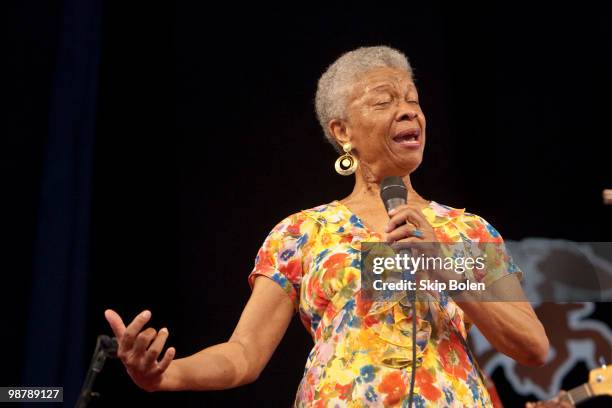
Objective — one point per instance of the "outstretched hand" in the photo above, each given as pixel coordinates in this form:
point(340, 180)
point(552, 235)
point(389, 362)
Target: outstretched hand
point(139, 349)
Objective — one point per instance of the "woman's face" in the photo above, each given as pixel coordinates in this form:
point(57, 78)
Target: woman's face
point(385, 124)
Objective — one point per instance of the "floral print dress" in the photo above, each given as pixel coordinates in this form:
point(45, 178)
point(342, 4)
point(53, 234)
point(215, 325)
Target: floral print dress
point(362, 354)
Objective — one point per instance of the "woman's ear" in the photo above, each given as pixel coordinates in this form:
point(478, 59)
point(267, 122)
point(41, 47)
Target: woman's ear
point(339, 131)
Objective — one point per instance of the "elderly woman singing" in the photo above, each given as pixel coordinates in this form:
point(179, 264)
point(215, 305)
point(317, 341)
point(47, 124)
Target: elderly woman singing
point(368, 106)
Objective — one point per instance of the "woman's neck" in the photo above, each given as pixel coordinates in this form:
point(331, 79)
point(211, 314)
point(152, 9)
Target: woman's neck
point(367, 191)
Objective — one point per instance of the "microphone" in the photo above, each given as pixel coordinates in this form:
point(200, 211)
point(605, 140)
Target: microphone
point(393, 192)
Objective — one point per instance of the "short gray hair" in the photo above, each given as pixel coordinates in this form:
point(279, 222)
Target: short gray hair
point(336, 82)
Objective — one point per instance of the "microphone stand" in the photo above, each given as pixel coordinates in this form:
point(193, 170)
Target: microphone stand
point(394, 193)
point(411, 296)
point(106, 347)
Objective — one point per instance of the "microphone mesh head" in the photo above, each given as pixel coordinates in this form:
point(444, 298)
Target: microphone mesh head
point(393, 187)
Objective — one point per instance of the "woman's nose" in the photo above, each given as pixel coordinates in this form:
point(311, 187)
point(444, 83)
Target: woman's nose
point(407, 112)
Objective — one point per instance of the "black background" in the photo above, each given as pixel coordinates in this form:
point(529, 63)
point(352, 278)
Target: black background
point(207, 137)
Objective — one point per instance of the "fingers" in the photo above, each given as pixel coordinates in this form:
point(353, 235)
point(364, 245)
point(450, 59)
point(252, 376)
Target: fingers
point(413, 245)
point(115, 322)
point(401, 215)
point(403, 232)
point(165, 362)
point(156, 347)
point(407, 222)
point(139, 349)
point(407, 246)
point(143, 340)
point(129, 336)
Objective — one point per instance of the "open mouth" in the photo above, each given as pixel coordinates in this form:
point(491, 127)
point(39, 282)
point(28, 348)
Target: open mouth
point(408, 138)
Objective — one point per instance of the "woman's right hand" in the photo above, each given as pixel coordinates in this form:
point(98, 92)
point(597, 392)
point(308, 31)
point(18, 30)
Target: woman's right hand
point(139, 349)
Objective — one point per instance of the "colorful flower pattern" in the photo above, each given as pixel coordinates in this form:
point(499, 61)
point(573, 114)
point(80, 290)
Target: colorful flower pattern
point(362, 354)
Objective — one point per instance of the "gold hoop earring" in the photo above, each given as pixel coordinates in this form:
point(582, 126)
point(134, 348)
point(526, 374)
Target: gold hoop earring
point(347, 163)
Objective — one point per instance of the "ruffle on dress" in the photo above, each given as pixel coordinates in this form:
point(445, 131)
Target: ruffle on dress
point(387, 333)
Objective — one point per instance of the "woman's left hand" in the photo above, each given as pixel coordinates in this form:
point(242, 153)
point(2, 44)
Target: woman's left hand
point(408, 224)
point(408, 228)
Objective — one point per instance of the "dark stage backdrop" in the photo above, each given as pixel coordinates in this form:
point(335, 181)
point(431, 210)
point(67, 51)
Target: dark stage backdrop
point(206, 138)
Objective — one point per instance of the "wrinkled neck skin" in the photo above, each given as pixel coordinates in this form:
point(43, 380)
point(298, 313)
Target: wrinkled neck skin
point(366, 192)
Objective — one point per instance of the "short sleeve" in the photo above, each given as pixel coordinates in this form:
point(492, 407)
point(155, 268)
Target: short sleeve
point(499, 262)
point(280, 256)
